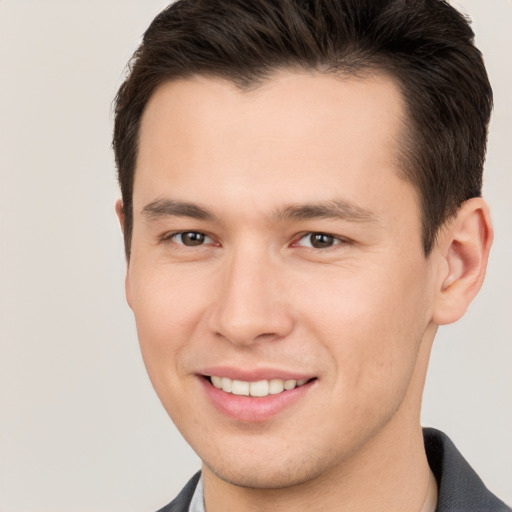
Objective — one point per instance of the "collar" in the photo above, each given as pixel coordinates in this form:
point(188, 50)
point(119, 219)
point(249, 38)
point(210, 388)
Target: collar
point(459, 487)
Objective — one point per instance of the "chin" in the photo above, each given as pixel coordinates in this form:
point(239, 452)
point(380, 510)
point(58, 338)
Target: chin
point(277, 474)
point(262, 480)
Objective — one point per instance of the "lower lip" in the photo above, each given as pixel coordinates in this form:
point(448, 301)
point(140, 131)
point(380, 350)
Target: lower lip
point(253, 409)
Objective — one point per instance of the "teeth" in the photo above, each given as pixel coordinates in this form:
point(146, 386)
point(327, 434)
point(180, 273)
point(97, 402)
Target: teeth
point(289, 384)
point(276, 386)
point(226, 384)
point(259, 388)
point(240, 387)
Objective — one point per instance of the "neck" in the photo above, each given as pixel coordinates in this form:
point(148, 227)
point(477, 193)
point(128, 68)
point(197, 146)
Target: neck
point(431, 499)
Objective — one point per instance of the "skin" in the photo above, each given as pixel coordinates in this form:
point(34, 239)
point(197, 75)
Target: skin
point(359, 315)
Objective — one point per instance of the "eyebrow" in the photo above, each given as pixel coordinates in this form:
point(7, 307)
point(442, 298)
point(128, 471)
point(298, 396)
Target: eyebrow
point(170, 208)
point(333, 209)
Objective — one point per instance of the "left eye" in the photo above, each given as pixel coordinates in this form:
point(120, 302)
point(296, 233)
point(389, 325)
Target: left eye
point(318, 241)
point(191, 238)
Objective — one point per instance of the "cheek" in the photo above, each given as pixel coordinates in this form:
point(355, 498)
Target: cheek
point(167, 312)
point(167, 309)
point(371, 323)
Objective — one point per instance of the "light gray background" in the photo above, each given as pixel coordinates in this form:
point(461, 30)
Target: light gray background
point(80, 426)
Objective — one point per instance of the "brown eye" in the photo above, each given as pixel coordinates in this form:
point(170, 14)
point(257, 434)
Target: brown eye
point(321, 241)
point(191, 238)
point(318, 241)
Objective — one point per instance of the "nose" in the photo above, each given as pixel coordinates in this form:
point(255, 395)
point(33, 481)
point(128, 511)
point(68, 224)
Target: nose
point(251, 305)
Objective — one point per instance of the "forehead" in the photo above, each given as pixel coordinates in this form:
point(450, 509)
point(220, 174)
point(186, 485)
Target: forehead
point(295, 103)
point(299, 132)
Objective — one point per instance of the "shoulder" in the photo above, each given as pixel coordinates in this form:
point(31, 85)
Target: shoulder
point(459, 487)
point(182, 502)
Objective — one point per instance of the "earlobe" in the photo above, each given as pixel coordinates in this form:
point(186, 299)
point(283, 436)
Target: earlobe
point(464, 246)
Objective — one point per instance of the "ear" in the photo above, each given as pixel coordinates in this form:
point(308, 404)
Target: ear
point(120, 213)
point(120, 216)
point(463, 248)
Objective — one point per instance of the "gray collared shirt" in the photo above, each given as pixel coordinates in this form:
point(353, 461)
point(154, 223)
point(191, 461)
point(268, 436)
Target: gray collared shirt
point(197, 503)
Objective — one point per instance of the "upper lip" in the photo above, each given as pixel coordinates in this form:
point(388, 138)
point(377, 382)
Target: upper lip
point(253, 375)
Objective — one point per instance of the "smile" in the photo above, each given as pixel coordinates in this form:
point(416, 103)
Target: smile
point(250, 397)
point(260, 388)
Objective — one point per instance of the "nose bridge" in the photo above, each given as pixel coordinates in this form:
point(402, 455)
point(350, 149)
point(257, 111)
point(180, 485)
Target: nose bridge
point(250, 303)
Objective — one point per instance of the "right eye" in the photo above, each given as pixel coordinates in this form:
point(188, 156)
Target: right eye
point(317, 240)
point(190, 238)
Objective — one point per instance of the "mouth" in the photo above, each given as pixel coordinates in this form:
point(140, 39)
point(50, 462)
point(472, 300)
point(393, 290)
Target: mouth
point(259, 388)
point(255, 400)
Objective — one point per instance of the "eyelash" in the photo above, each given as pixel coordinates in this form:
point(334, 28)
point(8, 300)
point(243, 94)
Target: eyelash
point(170, 237)
point(331, 239)
point(336, 240)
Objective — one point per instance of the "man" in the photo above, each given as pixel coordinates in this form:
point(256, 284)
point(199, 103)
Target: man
point(302, 209)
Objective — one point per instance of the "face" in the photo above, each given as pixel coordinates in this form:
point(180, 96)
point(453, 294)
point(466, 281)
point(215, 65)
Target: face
point(277, 277)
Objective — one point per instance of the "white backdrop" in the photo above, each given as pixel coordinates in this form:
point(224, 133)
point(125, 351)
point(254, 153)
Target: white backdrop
point(80, 426)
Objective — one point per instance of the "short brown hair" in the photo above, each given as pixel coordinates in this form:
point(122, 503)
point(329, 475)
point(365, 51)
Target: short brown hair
point(425, 45)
